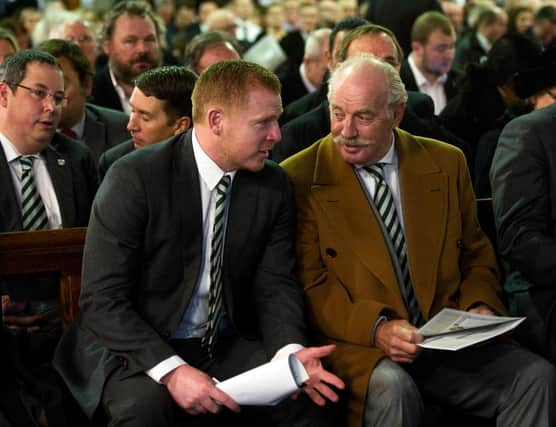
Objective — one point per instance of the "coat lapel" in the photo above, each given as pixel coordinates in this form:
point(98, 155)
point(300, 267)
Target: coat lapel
point(338, 191)
point(58, 165)
point(10, 215)
point(424, 192)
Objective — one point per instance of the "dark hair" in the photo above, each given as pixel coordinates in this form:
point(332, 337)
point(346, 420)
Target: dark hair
point(13, 69)
point(72, 52)
point(347, 24)
point(513, 14)
point(172, 84)
point(547, 12)
point(201, 42)
point(132, 8)
point(368, 30)
point(510, 54)
point(7, 35)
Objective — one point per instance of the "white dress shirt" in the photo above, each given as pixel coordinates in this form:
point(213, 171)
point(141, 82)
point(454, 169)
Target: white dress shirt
point(434, 90)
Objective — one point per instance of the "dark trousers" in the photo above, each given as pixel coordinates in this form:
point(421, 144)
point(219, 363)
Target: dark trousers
point(139, 401)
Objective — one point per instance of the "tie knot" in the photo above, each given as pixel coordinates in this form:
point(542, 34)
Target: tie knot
point(223, 184)
point(376, 171)
point(26, 163)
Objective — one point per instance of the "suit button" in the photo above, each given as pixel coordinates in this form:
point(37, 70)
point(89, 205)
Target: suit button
point(331, 253)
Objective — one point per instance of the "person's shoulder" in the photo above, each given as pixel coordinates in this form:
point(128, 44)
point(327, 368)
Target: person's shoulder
point(535, 118)
point(433, 147)
point(71, 147)
point(301, 165)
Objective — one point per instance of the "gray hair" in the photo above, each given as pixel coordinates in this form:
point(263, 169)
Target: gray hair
point(317, 43)
point(359, 63)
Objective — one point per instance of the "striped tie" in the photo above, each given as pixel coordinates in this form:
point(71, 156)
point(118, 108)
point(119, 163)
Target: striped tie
point(33, 212)
point(384, 202)
point(215, 296)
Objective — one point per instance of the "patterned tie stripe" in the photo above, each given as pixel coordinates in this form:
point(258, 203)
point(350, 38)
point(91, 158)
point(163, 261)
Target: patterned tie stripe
point(384, 201)
point(33, 212)
point(215, 295)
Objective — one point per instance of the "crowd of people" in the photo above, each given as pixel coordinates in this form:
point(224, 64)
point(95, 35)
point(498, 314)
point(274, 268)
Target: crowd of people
point(262, 179)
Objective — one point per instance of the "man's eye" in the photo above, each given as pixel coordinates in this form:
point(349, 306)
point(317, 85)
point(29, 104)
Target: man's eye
point(40, 93)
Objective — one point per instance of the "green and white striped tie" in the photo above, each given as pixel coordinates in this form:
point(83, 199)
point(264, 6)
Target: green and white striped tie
point(33, 212)
point(215, 295)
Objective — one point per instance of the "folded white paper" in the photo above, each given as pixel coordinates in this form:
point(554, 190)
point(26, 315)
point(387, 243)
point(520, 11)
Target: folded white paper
point(267, 52)
point(268, 384)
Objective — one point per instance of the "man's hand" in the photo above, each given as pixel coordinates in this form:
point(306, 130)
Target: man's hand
point(196, 392)
point(482, 309)
point(398, 339)
point(13, 319)
point(317, 385)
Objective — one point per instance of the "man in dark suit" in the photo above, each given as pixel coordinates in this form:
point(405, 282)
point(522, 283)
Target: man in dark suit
point(99, 128)
point(399, 15)
point(428, 68)
point(131, 37)
point(47, 181)
point(418, 117)
point(523, 176)
point(161, 108)
point(164, 308)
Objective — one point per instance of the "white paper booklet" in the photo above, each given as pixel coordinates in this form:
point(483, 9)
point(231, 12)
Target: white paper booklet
point(268, 384)
point(455, 329)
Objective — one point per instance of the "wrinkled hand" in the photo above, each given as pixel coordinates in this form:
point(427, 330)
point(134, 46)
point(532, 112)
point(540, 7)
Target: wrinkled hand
point(482, 309)
point(317, 385)
point(398, 339)
point(196, 392)
point(13, 320)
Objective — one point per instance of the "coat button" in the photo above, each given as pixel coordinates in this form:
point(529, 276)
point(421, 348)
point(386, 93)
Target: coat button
point(331, 253)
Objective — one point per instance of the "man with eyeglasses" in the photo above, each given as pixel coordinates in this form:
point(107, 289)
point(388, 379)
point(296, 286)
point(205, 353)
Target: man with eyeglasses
point(80, 33)
point(47, 181)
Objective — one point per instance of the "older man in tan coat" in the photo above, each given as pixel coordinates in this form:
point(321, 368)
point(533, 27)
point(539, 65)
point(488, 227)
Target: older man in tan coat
point(387, 237)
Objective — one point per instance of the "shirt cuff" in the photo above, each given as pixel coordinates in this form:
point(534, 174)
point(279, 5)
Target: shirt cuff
point(287, 350)
point(166, 366)
point(379, 320)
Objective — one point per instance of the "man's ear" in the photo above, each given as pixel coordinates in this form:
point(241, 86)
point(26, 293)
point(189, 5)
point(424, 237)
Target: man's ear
point(215, 118)
point(88, 86)
point(182, 124)
point(106, 47)
point(4, 94)
point(398, 113)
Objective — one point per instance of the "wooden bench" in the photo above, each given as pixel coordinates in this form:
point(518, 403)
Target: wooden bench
point(29, 252)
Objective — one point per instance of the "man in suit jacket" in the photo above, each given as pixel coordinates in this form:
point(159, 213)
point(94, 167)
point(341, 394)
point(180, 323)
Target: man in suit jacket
point(369, 291)
point(428, 68)
point(522, 179)
point(65, 182)
point(161, 108)
point(99, 128)
point(131, 37)
point(147, 260)
point(418, 117)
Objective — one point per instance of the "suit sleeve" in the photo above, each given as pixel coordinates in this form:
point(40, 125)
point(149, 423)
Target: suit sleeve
point(521, 179)
point(111, 266)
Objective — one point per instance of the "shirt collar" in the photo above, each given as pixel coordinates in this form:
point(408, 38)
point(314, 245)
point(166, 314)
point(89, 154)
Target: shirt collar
point(390, 158)
point(209, 172)
point(79, 127)
point(124, 99)
point(420, 79)
point(483, 41)
point(308, 85)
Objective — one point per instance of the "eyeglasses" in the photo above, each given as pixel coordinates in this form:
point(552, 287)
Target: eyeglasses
point(41, 94)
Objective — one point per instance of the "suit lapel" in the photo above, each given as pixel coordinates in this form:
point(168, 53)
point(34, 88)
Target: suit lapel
point(338, 191)
point(10, 214)
point(94, 133)
point(424, 192)
point(59, 169)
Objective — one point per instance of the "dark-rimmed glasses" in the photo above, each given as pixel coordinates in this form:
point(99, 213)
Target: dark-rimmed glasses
point(40, 94)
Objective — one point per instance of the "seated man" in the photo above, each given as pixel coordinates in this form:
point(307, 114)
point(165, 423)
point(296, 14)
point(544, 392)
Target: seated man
point(160, 108)
point(186, 279)
point(387, 237)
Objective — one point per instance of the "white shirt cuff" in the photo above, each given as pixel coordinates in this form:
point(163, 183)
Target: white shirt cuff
point(287, 350)
point(166, 366)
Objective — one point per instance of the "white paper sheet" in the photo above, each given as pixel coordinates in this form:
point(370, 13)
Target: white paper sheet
point(268, 384)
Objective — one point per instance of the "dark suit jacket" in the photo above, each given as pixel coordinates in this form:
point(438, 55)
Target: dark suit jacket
point(113, 154)
point(143, 256)
point(418, 119)
point(468, 51)
point(293, 87)
point(73, 173)
point(104, 94)
point(305, 103)
point(523, 180)
point(104, 128)
point(450, 87)
point(399, 16)
point(293, 45)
